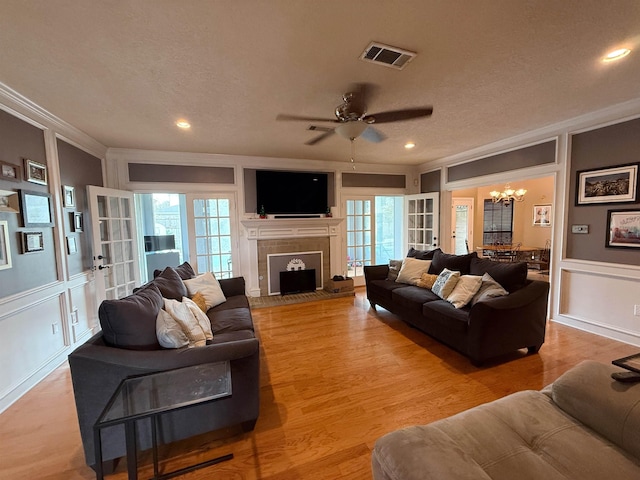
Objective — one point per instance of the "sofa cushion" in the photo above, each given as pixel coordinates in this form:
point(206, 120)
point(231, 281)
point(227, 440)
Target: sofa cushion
point(169, 332)
point(230, 320)
point(512, 276)
point(237, 301)
point(488, 289)
point(412, 298)
point(208, 286)
point(411, 270)
point(130, 322)
point(170, 284)
point(185, 271)
point(421, 254)
point(384, 288)
point(465, 289)
point(446, 314)
point(445, 283)
point(459, 263)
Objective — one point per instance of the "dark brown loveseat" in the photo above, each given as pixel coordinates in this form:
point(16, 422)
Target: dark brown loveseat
point(487, 329)
point(98, 366)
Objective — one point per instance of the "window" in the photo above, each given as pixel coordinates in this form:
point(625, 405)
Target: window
point(497, 226)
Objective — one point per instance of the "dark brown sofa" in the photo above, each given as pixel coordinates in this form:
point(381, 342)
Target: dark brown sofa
point(487, 329)
point(98, 366)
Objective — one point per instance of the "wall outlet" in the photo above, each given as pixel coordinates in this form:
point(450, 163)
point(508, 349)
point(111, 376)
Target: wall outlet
point(636, 310)
point(55, 328)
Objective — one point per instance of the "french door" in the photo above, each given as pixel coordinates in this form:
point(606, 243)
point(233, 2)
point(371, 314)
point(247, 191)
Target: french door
point(212, 233)
point(115, 245)
point(462, 222)
point(422, 217)
point(360, 236)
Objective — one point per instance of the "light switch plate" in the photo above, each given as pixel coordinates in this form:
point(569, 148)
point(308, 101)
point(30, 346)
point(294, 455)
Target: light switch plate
point(579, 228)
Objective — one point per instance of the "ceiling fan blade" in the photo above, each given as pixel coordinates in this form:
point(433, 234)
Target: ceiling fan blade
point(373, 135)
point(283, 116)
point(319, 138)
point(399, 115)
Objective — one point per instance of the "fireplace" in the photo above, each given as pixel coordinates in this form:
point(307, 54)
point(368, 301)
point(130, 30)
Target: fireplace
point(297, 281)
point(309, 262)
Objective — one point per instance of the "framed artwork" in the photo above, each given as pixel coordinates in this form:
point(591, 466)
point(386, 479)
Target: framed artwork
point(623, 228)
point(77, 222)
point(68, 196)
point(35, 172)
point(9, 171)
point(542, 215)
point(5, 247)
point(609, 185)
point(72, 246)
point(32, 242)
point(36, 209)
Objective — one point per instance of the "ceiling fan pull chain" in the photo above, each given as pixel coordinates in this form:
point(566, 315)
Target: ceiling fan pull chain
point(353, 154)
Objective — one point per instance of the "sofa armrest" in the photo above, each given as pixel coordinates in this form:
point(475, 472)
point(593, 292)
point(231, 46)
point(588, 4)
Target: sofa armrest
point(508, 323)
point(232, 286)
point(375, 272)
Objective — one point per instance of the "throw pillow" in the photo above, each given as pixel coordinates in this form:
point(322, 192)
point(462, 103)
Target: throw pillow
point(130, 322)
point(169, 332)
point(199, 300)
point(185, 271)
point(200, 316)
point(445, 283)
point(458, 263)
point(489, 289)
point(190, 326)
point(465, 289)
point(421, 254)
point(427, 280)
point(170, 284)
point(510, 275)
point(411, 270)
point(394, 269)
point(208, 286)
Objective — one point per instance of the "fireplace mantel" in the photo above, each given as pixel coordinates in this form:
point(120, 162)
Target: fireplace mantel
point(269, 228)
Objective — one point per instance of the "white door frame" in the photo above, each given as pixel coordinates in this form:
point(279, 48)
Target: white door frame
point(470, 203)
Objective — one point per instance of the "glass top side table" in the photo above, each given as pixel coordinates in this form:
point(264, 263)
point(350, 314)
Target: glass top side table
point(151, 395)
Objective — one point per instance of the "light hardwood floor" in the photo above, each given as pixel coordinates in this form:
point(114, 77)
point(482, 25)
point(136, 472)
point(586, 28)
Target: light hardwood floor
point(336, 375)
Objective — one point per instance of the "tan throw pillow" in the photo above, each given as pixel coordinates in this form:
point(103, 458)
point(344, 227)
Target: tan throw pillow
point(169, 332)
point(181, 313)
point(200, 316)
point(465, 289)
point(489, 289)
point(208, 286)
point(412, 269)
point(427, 280)
point(445, 283)
point(199, 300)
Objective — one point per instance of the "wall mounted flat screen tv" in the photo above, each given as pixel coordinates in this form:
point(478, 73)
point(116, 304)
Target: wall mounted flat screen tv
point(291, 193)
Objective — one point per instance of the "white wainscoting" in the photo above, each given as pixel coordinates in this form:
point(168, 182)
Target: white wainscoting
point(600, 299)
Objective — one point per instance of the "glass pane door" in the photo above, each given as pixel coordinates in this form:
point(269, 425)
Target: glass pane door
point(422, 220)
point(359, 236)
point(212, 238)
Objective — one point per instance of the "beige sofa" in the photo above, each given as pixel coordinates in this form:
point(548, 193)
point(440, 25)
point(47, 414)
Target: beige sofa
point(584, 426)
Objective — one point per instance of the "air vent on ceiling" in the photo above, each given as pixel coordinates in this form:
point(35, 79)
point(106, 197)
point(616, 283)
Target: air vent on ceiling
point(388, 56)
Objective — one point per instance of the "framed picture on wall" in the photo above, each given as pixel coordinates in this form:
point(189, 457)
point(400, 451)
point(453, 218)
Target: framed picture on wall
point(608, 185)
point(542, 215)
point(68, 196)
point(78, 222)
point(36, 209)
point(5, 247)
point(35, 172)
point(32, 242)
point(623, 228)
point(9, 171)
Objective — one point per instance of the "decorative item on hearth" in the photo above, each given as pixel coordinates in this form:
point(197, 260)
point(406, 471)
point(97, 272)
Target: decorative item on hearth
point(508, 195)
point(262, 212)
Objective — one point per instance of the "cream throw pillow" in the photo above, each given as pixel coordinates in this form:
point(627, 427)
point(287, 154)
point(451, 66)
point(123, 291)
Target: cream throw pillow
point(445, 283)
point(181, 313)
point(208, 286)
point(465, 289)
point(169, 332)
point(201, 317)
point(412, 269)
point(489, 289)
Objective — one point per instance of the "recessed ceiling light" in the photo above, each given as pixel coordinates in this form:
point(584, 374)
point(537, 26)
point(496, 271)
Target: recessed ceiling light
point(183, 124)
point(409, 145)
point(616, 55)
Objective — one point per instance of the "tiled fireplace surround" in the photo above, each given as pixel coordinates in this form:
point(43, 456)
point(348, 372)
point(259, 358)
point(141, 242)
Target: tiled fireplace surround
point(269, 236)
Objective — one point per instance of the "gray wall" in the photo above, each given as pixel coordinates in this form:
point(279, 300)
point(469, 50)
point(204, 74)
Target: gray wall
point(20, 140)
point(146, 172)
point(78, 169)
point(430, 182)
point(604, 147)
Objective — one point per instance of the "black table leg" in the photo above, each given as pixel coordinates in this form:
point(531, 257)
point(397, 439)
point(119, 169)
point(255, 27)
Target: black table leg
point(132, 449)
point(97, 450)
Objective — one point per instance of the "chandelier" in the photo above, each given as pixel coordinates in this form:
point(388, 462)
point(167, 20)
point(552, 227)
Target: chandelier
point(508, 195)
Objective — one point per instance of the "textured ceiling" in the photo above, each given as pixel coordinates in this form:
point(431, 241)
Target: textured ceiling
point(124, 71)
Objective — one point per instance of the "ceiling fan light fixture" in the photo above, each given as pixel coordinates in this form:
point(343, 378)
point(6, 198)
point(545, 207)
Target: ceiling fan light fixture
point(351, 130)
point(616, 55)
point(183, 124)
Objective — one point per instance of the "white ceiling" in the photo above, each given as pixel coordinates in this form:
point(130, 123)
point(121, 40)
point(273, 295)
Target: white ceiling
point(124, 71)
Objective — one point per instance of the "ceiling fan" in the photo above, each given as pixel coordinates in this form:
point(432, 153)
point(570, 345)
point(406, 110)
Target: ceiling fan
point(351, 115)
